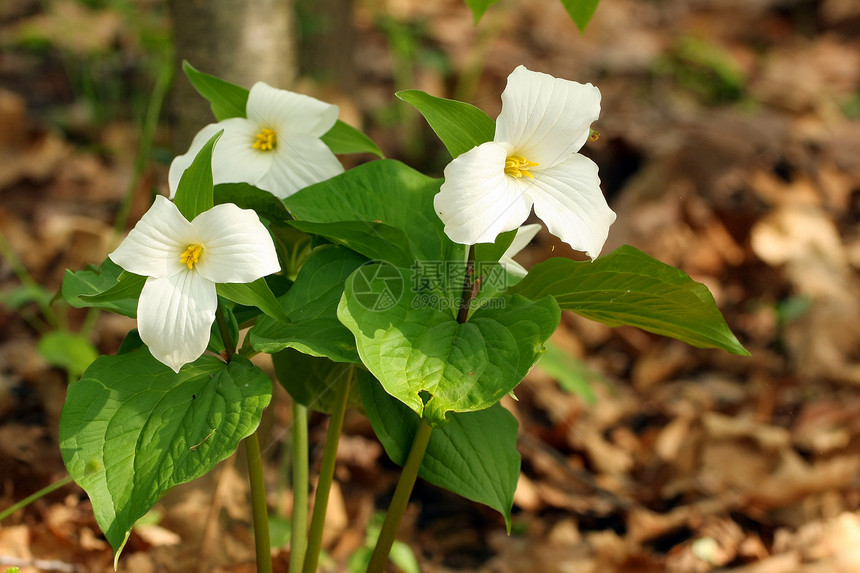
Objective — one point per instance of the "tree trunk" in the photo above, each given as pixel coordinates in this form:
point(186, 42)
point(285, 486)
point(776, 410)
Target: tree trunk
point(241, 41)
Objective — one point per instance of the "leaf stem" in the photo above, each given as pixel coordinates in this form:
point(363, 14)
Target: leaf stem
point(327, 474)
point(31, 498)
point(467, 293)
point(299, 522)
point(229, 345)
point(401, 498)
point(258, 504)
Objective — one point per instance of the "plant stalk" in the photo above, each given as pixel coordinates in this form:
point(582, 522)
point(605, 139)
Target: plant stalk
point(258, 504)
point(31, 498)
point(468, 282)
point(401, 498)
point(326, 475)
point(299, 528)
point(229, 345)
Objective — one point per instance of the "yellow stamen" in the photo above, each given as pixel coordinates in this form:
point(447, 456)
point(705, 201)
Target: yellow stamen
point(267, 140)
point(191, 256)
point(593, 135)
point(517, 166)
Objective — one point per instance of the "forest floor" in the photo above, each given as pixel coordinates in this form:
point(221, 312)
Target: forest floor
point(729, 147)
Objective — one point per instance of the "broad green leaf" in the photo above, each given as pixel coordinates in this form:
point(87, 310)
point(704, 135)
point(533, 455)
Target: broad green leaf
point(227, 100)
point(257, 294)
point(460, 126)
point(247, 196)
point(131, 429)
point(373, 240)
point(127, 287)
point(478, 7)
point(194, 194)
point(80, 287)
point(384, 191)
point(415, 351)
point(313, 381)
point(627, 287)
point(474, 455)
point(581, 11)
point(311, 305)
point(67, 350)
point(492, 252)
point(343, 138)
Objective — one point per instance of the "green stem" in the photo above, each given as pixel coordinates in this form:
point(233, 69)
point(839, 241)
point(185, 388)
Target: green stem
point(31, 498)
point(258, 504)
point(326, 476)
point(467, 293)
point(401, 498)
point(229, 346)
point(299, 529)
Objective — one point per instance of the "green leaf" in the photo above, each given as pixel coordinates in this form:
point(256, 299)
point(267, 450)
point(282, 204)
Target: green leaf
point(313, 381)
point(413, 351)
point(311, 304)
point(373, 240)
point(131, 429)
point(460, 126)
point(343, 138)
point(474, 455)
point(257, 294)
point(627, 287)
point(227, 100)
point(194, 194)
point(581, 11)
point(247, 196)
point(128, 287)
point(490, 252)
point(67, 350)
point(387, 192)
point(478, 7)
point(86, 288)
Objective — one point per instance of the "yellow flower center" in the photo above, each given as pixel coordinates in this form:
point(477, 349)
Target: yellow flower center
point(191, 256)
point(267, 140)
point(517, 166)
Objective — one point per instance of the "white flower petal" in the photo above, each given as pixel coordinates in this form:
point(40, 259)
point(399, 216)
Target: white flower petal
point(546, 118)
point(289, 113)
point(156, 243)
point(174, 316)
point(182, 162)
point(568, 199)
point(237, 248)
point(298, 162)
point(235, 160)
point(523, 237)
point(478, 200)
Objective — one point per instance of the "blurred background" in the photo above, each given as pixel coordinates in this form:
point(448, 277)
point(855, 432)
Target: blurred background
point(729, 147)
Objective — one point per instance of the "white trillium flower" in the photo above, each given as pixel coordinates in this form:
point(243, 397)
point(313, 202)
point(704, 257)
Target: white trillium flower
point(277, 147)
point(183, 261)
point(532, 161)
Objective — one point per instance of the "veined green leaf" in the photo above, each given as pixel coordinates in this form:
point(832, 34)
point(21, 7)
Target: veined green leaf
point(429, 361)
point(627, 287)
point(195, 192)
point(227, 100)
point(342, 138)
point(474, 455)
point(581, 11)
point(460, 126)
point(131, 429)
